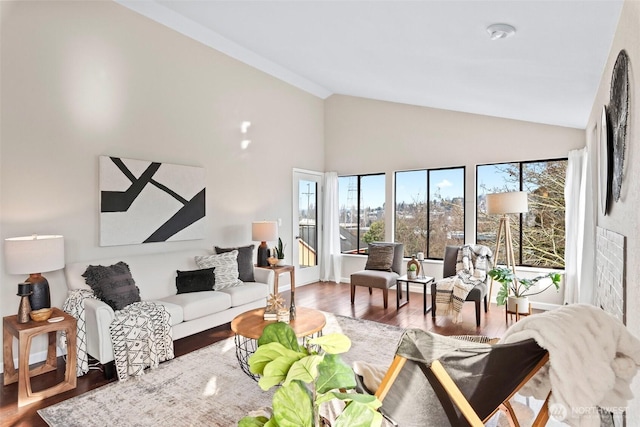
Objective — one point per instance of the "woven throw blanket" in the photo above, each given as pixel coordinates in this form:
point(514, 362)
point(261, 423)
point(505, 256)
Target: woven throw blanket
point(472, 264)
point(142, 337)
point(74, 306)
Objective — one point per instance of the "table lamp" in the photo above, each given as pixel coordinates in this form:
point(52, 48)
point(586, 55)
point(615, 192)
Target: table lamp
point(34, 255)
point(263, 231)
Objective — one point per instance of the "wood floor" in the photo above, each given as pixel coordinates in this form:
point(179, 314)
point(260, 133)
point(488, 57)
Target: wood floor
point(329, 297)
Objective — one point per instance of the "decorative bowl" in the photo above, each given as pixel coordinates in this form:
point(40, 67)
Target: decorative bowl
point(41, 315)
point(273, 261)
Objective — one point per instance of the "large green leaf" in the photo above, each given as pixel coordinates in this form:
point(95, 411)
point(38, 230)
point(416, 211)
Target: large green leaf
point(368, 400)
point(332, 343)
point(275, 372)
point(269, 352)
point(358, 415)
point(252, 422)
point(279, 332)
point(333, 373)
point(292, 406)
point(305, 369)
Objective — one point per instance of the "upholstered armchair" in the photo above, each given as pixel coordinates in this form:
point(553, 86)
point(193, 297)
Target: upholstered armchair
point(477, 294)
point(384, 266)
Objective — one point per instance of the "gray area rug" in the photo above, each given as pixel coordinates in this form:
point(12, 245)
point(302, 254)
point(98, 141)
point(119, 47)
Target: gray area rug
point(205, 387)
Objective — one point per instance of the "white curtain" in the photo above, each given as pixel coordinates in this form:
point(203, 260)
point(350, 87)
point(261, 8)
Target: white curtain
point(330, 261)
point(575, 196)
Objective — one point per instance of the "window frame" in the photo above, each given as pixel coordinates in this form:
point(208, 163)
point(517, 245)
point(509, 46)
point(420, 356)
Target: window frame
point(428, 202)
point(359, 250)
point(520, 164)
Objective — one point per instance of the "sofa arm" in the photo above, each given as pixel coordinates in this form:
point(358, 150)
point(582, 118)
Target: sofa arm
point(264, 275)
point(98, 316)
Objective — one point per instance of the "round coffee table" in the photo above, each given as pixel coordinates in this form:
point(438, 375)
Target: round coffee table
point(249, 325)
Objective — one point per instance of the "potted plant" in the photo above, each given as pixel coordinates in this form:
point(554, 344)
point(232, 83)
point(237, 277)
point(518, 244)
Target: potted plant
point(412, 272)
point(280, 251)
point(309, 376)
point(515, 291)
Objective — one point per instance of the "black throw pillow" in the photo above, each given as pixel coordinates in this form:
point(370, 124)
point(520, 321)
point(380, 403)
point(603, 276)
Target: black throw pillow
point(245, 261)
point(195, 280)
point(113, 284)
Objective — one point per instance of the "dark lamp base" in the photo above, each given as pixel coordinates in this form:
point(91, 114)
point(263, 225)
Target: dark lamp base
point(263, 254)
point(40, 297)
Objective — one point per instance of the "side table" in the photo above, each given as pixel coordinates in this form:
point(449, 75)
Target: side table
point(281, 269)
point(25, 332)
point(421, 280)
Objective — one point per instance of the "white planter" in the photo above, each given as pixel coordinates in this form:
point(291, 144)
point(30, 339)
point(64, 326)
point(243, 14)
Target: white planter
point(519, 305)
point(412, 274)
point(281, 262)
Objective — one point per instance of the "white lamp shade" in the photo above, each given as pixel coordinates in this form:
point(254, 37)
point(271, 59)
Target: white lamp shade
point(33, 254)
point(264, 231)
point(506, 203)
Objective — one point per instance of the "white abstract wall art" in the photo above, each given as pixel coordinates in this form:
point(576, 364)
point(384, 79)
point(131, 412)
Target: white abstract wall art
point(145, 202)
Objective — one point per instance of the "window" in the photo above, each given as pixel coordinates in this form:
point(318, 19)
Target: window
point(538, 235)
point(361, 200)
point(429, 210)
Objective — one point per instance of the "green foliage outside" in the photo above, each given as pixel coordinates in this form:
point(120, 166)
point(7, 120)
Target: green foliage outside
point(375, 233)
point(308, 377)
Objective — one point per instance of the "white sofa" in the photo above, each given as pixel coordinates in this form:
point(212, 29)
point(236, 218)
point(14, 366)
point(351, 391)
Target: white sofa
point(155, 275)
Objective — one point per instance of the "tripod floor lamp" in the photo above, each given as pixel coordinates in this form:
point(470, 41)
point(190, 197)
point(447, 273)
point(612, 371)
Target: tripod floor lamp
point(505, 204)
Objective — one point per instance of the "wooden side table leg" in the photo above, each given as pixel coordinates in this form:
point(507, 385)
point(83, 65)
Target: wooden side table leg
point(70, 374)
point(275, 282)
point(292, 275)
point(24, 380)
point(10, 374)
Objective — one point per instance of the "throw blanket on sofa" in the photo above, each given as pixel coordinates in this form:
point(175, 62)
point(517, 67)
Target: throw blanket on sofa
point(592, 360)
point(141, 336)
point(74, 306)
point(451, 292)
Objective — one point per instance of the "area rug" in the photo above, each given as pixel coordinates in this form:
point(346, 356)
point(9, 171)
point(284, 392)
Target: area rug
point(205, 387)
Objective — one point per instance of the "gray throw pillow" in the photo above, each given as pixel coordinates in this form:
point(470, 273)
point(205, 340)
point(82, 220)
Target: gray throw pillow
point(226, 266)
point(195, 280)
point(380, 257)
point(245, 261)
point(113, 284)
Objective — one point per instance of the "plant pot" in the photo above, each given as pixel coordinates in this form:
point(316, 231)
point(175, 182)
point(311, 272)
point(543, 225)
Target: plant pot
point(518, 305)
point(281, 262)
point(412, 274)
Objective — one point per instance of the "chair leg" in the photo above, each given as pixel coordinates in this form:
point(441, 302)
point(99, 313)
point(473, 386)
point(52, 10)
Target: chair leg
point(486, 304)
point(370, 291)
point(477, 313)
point(353, 293)
point(433, 303)
point(385, 297)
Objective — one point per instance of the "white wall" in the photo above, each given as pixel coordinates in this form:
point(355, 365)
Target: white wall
point(624, 217)
point(369, 136)
point(84, 79)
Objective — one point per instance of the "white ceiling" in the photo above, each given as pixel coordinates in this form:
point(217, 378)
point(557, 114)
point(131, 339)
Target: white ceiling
point(434, 53)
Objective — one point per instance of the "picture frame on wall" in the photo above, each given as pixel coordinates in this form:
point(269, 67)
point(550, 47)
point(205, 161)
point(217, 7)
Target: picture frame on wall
point(146, 202)
point(605, 161)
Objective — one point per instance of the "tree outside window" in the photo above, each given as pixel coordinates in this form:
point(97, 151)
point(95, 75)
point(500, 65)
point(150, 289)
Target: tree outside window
point(429, 210)
point(539, 235)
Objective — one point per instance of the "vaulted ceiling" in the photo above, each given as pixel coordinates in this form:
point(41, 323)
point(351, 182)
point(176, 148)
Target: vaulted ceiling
point(434, 53)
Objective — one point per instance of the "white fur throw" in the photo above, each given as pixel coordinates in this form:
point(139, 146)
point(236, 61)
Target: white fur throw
point(592, 360)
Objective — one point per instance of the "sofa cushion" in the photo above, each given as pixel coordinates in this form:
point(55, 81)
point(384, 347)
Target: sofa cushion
point(248, 292)
point(199, 304)
point(113, 284)
point(195, 280)
point(226, 266)
point(174, 310)
point(380, 257)
point(245, 261)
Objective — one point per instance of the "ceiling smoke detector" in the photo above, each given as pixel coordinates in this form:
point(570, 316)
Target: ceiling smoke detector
point(500, 31)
